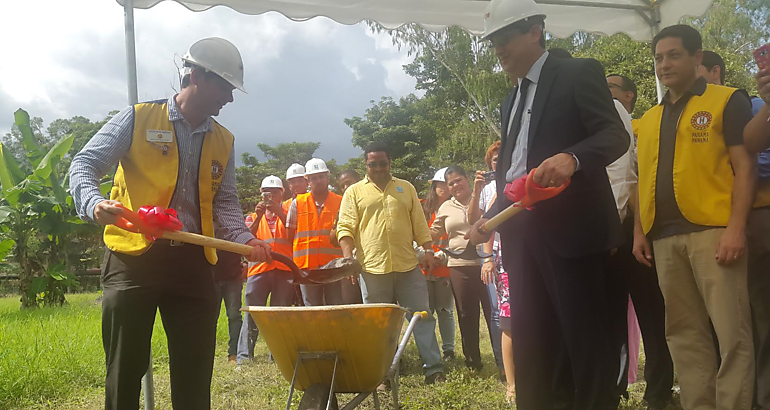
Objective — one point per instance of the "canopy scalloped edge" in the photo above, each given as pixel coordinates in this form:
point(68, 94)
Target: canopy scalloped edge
point(460, 19)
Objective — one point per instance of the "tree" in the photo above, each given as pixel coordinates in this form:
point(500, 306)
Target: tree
point(36, 207)
point(279, 157)
point(407, 127)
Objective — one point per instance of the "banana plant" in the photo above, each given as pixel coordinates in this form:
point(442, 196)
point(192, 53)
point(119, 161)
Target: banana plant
point(34, 205)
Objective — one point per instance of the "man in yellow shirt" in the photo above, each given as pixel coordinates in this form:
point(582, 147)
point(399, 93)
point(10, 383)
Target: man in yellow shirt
point(381, 217)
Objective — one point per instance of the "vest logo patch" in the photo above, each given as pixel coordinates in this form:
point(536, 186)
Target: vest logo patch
point(701, 120)
point(216, 170)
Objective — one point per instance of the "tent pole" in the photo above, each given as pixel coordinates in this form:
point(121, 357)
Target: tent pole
point(133, 95)
point(148, 386)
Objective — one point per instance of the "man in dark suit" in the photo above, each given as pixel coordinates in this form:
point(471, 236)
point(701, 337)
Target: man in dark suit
point(562, 121)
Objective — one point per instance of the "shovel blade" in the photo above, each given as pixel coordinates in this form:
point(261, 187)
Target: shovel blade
point(335, 270)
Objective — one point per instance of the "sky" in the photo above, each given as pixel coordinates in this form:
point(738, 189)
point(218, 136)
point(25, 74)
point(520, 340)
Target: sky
point(63, 59)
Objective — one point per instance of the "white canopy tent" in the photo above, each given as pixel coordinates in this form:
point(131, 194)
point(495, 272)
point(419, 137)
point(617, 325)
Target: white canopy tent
point(639, 19)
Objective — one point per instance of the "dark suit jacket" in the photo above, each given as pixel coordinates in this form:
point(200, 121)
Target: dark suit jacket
point(572, 112)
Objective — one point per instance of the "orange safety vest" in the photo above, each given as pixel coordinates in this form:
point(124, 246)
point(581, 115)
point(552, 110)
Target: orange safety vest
point(312, 248)
point(278, 243)
point(439, 271)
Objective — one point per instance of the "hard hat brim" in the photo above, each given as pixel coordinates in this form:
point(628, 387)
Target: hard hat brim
point(190, 60)
point(486, 36)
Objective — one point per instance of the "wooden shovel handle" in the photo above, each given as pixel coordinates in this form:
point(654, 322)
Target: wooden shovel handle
point(208, 242)
point(503, 216)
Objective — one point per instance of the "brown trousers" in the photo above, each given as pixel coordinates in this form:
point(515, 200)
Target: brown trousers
point(695, 289)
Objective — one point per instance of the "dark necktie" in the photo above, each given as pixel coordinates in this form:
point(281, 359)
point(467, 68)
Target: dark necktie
point(516, 125)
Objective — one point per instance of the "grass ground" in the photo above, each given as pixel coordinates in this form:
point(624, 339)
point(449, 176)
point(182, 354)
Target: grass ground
point(52, 358)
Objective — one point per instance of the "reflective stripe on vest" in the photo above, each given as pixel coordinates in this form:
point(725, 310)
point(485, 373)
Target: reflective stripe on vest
point(703, 175)
point(145, 176)
point(312, 247)
point(278, 243)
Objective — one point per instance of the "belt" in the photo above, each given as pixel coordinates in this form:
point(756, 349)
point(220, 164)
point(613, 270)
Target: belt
point(168, 242)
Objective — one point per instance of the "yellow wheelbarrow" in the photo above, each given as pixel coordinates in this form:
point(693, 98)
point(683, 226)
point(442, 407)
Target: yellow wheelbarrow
point(335, 349)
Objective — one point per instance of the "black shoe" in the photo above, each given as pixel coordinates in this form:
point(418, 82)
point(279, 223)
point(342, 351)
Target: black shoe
point(449, 355)
point(434, 378)
point(474, 366)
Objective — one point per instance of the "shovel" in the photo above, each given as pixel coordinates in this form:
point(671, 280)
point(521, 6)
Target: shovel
point(524, 193)
point(156, 222)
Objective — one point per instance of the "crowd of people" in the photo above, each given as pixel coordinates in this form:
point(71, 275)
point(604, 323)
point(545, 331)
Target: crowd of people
point(663, 233)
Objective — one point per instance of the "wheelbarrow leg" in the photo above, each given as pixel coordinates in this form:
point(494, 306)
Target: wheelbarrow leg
point(293, 380)
point(331, 389)
point(376, 400)
point(394, 386)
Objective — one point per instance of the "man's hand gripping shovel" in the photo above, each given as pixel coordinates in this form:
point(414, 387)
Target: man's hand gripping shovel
point(156, 222)
point(524, 193)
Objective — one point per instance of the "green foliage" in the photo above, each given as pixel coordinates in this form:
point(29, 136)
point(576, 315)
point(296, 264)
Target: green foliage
point(279, 157)
point(49, 289)
point(407, 127)
point(37, 216)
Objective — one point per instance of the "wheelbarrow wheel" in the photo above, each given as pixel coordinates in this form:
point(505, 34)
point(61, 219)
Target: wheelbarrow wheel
point(315, 398)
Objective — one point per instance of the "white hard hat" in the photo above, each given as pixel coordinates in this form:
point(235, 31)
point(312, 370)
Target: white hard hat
point(218, 56)
point(439, 177)
point(315, 166)
point(295, 171)
point(503, 13)
point(272, 181)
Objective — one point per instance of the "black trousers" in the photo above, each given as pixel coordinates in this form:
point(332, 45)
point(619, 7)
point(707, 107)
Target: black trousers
point(179, 282)
point(561, 329)
point(629, 277)
point(469, 291)
point(759, 295)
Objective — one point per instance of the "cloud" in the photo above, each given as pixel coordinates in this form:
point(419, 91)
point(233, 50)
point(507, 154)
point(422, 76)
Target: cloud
point(303, 78)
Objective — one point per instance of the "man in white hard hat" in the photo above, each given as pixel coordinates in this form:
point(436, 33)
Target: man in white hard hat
point(168, 153)
point(295, 176)
point(561, 120)
point(267, 223)
point(310, 221)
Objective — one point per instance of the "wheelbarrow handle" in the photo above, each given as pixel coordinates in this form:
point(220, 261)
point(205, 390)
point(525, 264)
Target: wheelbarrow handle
point(404, 341)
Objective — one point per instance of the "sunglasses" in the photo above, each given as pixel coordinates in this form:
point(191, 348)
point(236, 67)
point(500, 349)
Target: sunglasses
point(381, 164)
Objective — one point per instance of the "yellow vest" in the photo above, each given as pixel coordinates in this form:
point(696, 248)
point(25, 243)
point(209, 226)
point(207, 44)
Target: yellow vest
point(703, 175)
point(147, 175)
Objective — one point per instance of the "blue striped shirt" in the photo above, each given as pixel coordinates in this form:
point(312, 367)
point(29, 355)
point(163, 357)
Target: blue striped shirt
point(103, 152)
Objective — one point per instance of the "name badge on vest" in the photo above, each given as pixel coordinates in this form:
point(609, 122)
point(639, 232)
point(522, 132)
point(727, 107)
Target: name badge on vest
point(159, 136)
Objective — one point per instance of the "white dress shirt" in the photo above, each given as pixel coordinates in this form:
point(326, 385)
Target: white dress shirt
point(519, 156)
point(622, 172)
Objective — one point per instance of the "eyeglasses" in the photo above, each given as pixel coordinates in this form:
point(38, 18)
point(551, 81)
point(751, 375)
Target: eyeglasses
point(381, 164)
point(502, 38)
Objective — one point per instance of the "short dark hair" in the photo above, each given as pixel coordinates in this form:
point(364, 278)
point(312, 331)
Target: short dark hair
point(186, 79)
point(352, 172)
point(559, 52)
point(711, 59)
point(377, 146)
point(691, 38)
point(627, 84)
point(455, 169)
